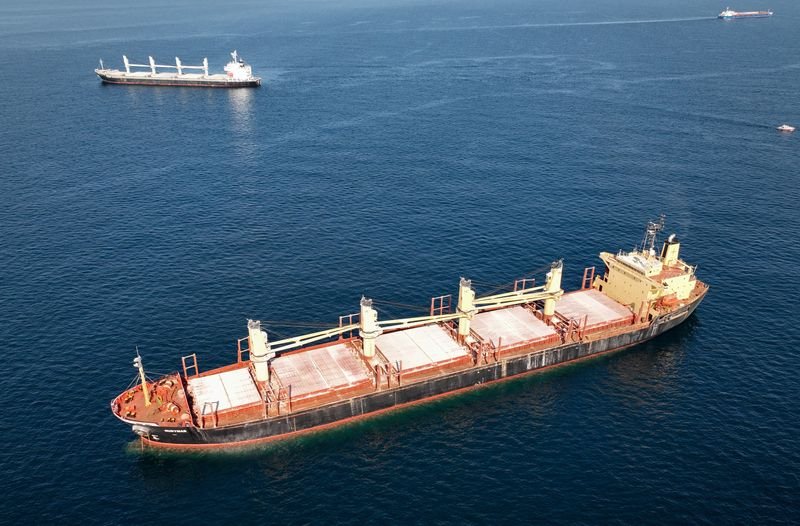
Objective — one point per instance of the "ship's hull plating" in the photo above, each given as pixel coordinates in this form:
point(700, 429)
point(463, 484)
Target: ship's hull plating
point(191, 83)
point(381, 401)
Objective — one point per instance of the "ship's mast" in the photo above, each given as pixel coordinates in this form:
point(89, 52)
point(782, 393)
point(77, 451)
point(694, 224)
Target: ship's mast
point(137, 362)
point(650, 233)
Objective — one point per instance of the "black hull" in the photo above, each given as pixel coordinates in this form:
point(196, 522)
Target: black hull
point(379, 401)
point(183, 83)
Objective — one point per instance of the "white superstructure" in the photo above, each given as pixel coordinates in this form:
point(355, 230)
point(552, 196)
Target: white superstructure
point(237, 69)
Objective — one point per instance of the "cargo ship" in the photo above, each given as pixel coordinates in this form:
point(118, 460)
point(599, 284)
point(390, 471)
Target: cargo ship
point(237, 74)
point(730, 14)
point(364, 366)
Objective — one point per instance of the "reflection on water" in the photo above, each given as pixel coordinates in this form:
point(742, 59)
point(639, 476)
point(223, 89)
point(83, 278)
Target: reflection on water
point(241, 103)
point(242, 106)
point(169, 103)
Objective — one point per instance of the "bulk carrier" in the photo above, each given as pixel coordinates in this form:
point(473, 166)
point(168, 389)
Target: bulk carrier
point(365, 366)
point(238, 74)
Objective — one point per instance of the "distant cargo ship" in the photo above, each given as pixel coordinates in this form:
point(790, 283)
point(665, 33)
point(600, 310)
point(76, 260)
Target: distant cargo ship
point(238, 74)
point(279, 388)
point(730, 14)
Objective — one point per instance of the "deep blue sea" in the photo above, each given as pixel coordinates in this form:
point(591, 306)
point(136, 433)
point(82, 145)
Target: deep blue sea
point(395, 146)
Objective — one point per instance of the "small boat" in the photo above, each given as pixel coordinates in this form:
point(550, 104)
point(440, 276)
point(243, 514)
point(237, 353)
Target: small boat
point(730, 14)
point(785, 128)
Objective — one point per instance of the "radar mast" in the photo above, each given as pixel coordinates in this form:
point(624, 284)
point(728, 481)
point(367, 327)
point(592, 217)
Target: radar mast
point(650, 233)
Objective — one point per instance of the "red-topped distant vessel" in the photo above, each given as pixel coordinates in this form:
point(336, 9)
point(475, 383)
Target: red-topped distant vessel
point(365, 366)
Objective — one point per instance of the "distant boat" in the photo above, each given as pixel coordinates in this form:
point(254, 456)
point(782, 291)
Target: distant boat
point(785, 128)
point(730, 14)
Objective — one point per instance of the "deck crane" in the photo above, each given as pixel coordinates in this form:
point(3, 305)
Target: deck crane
point(370, 327)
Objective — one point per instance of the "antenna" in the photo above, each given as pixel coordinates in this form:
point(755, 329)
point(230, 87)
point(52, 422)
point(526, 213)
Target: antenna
point(650, 233)
point(101, 64)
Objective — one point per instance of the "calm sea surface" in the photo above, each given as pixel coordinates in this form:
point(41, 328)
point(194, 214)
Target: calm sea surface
point(394, 147)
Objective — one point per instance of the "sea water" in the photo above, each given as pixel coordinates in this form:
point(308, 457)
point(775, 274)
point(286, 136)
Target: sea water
point(394, 147)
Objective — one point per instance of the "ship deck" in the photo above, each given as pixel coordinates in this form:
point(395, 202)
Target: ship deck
point(513, 327)
point(593, 310)
point(144, 75)
point(169, 405)
point(315, 373)
point(416, 350)
point(334, 371)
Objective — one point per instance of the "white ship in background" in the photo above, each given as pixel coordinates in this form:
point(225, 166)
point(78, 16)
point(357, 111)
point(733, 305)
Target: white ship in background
point(238, 74)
